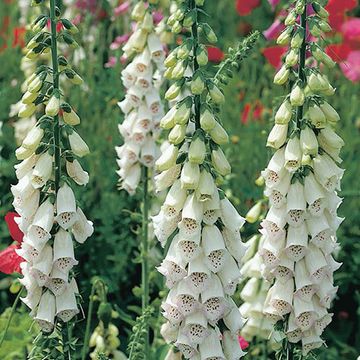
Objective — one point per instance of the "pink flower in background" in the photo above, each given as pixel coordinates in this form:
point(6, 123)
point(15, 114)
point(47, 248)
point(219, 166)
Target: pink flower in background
point(119, 40)
point(351, 32)
point(157, 16)
point(273, 3)
point(351, 66)
point(274, 30)
point(111, 63)
point(243, 343)
point(122, 8)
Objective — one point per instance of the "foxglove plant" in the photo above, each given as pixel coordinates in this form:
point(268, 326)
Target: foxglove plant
point(142, 105)
point(197, 223)
point(49, 216)
point(302, 180)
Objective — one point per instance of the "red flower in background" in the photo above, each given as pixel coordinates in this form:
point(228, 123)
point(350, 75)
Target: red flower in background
point(215, 54)
point(273, 55)
point(9, 260)
point(243, 343)
point(245, 7)
point(19, 36)
point(256, 114)
point(337, 10)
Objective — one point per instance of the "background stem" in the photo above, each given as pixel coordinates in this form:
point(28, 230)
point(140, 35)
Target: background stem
point(145, 251)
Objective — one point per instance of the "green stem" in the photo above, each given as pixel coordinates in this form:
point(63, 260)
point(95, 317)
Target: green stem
point(145, 251)
point(84, 350)
point(56, 127)
point(301, 72)
point(13, 308)
point(194, 31)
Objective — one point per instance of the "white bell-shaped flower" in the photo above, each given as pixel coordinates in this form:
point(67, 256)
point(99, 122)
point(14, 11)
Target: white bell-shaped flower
point(175, 200)
point(82, 228)
point(293, 154)
point(39, 230)
point(25, 166)
point(214, 247)
point(165, 179)
point(58, 280)
point(293, 333)
point(171, 311)
point(206, 188)
point(186, 300)
point(65, 207)
point(32, 299)
point(195, 327)
point(229, 275)
point(274, 223)
point(296, 242)
point(198, 274)
point(42, 171)
point(23, 189)
point(305, 288)
point(46, 312)
point(285, 270)
point(64, 258)
point(277, 193)
point(229, 215)
point(76, 172)
point(314, 195)
point(211, 208)
point(270, 251)
point(66, 306)
point(211, 347)
point(185, 346)
point(42, 266)
point(78, 145)
point(190, 176)
point(326, 292)
point(310, 341)
point(169, 332)
point(305, 315)
point(275, 169)
point(213, 300)
point(233, 320)
point(282, 297)
point(232, 349)
point(234, 244)
point(296, 204)
point(316, 264)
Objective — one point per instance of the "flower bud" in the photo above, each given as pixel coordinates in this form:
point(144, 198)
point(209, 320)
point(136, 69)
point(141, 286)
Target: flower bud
point(178, 70)
point(292, 57)
point(308, 142)
point(168, 121)
point(53, 106)
point(138, 12)
point(284, 37)
point(197, 84)
point(330, 113)
point(207, 120)
point(202, 55)
point(29, 97)
point(219, 135)
point(321, 56)
point(173, 91)
point(167, 158)
point(71, 118)
point(26, 110)
point(177, 134)
point(182, 114)
point(297, 39)
point(291, 18)
point(197, 151)
point(147, 23)
point(254, 213)
point(33, 138)
point(78, 145)
point(277, 136)
point(323, 13)
point(220, 163)
point(190, 176)
point(209, 33)
point(317, 117)
point(282, 76)
point(216, 94)
point(284, 113)
point(297, 96)
point(171, 59)
point(314, 82)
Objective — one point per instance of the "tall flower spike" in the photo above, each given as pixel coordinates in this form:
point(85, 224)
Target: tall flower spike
point(302, 180)
point(142, 106)
point(202, 266)
point(43, 197)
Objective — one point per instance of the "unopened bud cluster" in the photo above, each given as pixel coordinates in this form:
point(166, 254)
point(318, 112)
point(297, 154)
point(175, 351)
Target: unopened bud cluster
point(197, 221)
point(142, 106)
point(302, 180)
point(49, 216)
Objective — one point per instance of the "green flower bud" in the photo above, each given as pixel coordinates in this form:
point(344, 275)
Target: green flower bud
point(219, 135)
point(183, 112)
point(297, 96)
point(174, 90)
point(197, 151)
point(179, 70)
point(220, 163)
point(197, 84)
point(53, 106)
point(277, 136)
point(292, 57)
point(189, 19)
point(104, 313)
point(168, 121)
point(215, 93)
point(208, 32)
point(171, 59)
point(330, 113)
point(284, 113)
point(207, 120)
point(323, 13)
point(282, 76)
point(285, 36)
point(291, 18)
point(139, 11)
point(254, 213)
point(202, 55)
point(308, 142)
point(297, 39)
point(177, 134)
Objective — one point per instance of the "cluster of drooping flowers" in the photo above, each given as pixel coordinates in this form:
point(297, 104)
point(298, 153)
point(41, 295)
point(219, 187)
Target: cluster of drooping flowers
point(197, 223)
point(255, 289)
point(49, 216)
point(302, 179)
point(142, 104)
